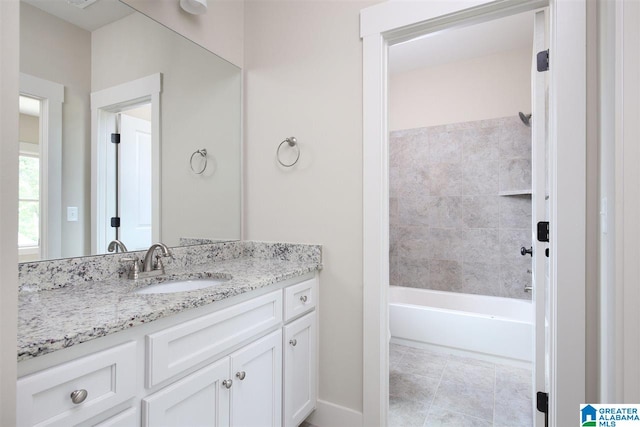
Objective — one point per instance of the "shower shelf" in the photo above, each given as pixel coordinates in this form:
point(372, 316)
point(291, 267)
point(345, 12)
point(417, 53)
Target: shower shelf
point(514, 193)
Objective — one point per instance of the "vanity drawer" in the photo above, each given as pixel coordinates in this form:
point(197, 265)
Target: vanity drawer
point(108, 377)
point(299, 299)
point(181, 347)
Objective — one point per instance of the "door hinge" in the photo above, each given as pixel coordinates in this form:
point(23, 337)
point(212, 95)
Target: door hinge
point(542, 59)
point(115, 138)
point(543, 231)
point(115, 221)
point(542, 404)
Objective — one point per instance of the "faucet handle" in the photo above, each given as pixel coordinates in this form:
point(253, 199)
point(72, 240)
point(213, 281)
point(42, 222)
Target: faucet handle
point(158, 265)
point(135, 268)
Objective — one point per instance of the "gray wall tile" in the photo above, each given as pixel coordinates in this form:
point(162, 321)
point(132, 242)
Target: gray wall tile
point(480, 178)
point(445, 244)
point(513, 279)
point(450, 229)
point(481, 211)
point(445, 275)
point(445, 179)
point(515, 174)
point(480, 245)
point(480, 278)
point(515, 141)
point(481, 144)
point(515, 212)
point(445, 147)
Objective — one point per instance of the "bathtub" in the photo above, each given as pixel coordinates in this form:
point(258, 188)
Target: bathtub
point(487, 327)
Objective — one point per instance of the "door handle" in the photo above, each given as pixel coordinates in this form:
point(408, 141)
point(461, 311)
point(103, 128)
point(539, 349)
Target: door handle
point(524, 251)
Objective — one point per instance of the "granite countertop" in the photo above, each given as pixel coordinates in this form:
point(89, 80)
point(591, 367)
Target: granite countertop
point(52, 319)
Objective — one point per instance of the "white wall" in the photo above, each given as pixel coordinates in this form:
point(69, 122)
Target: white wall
point(9, 34)
point(221, 29)
point(303, 68)
point(481, 88)
point(65, 58)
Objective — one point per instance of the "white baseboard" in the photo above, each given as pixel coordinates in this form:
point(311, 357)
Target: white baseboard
point(329, 414)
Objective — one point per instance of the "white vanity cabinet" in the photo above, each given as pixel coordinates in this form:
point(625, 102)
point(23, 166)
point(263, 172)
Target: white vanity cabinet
point(249, 361)
point(243, 389)
point(300, 349)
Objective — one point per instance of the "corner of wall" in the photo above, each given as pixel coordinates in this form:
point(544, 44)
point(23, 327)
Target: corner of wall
point(9, 77)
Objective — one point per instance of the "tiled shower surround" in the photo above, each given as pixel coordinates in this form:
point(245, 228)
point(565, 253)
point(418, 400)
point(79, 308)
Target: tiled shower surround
point(455, 224)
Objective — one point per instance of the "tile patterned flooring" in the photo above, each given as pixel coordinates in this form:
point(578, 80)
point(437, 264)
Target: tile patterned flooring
point(428, 389)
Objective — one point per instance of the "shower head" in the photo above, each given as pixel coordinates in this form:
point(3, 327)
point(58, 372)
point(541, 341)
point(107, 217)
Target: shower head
point(526, 118)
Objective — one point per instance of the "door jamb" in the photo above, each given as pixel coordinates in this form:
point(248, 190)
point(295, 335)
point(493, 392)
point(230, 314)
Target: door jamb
point(392, 21)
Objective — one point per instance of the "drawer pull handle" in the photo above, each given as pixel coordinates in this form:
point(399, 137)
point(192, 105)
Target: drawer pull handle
point(303, 298)
point(227, 383)
point(293, 342)
point(240, 375)
point(78, 396)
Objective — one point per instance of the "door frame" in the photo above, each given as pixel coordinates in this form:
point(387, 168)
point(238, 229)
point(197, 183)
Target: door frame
point(51, 96)
point(392, 22)
point(104, 103)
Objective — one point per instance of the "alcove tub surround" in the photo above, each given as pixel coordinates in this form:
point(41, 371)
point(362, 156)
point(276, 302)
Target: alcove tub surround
point(67, 302)
point(460, 207)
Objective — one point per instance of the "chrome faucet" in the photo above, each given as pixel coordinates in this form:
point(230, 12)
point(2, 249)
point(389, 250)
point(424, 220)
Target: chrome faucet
point(114, 245)
point(148, 266)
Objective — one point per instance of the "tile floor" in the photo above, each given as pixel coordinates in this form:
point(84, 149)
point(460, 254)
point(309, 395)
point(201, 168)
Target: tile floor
point(428, 389)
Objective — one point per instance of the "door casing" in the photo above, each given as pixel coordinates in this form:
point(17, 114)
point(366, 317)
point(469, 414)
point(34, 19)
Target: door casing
point(393, 22)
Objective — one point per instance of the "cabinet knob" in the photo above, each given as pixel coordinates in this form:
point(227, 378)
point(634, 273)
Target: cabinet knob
point(227, 383)
point(78, 396)
point(240, 375)
point(293, 342)
point(303, 298)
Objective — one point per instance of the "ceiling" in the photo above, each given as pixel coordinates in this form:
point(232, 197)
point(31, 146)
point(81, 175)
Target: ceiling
point(499, 35)
point(92, 17)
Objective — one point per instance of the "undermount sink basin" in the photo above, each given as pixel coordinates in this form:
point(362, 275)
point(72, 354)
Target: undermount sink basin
point(180, 286)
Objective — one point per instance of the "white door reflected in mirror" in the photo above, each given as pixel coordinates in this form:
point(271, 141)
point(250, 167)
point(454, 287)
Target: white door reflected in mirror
point(134, 177)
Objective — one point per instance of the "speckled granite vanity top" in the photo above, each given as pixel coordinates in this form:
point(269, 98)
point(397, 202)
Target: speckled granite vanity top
point(67, 302)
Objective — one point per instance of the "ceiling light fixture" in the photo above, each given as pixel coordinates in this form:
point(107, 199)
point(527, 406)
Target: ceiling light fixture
point(81, 3)
point(194, 7)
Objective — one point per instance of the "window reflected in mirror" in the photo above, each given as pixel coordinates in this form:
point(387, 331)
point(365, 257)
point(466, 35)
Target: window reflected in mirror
point(29, 226)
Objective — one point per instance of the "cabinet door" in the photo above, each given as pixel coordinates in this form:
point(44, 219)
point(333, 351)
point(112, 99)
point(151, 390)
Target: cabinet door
point(256, 395)
point(299, 369)
point(200, 400)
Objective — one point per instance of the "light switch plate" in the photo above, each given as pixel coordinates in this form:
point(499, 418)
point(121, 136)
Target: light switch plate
point(72, 213)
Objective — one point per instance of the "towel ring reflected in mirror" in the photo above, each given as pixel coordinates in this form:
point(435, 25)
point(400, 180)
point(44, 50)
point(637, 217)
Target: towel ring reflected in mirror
point(203, 154)
point(293, 143)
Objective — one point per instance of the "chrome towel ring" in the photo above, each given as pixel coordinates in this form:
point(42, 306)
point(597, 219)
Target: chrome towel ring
point(293, 143)
point(203, 154)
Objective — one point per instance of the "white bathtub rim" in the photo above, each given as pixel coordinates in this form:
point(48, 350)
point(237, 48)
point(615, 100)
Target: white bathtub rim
point(398, 295)
point(460, 312)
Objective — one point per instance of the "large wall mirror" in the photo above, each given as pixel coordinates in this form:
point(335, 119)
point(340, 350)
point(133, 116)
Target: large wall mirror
point(128, 131)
